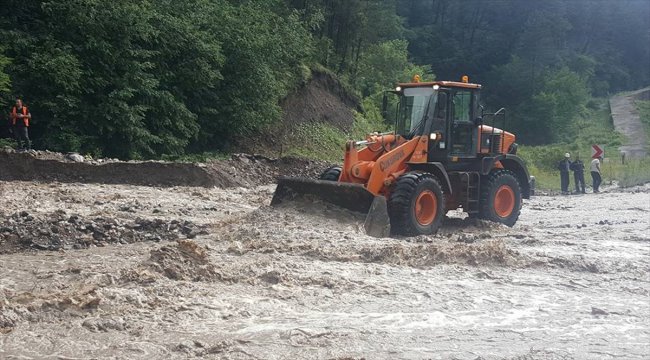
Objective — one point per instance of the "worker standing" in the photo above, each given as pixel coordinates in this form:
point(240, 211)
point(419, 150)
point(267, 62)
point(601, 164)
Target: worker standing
point(578, 169)
point(20, 117)
point(564, 166)
point(595, 173)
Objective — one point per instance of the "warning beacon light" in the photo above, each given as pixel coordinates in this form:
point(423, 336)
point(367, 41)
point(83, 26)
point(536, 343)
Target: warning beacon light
point(416, 78)
point(464, 79)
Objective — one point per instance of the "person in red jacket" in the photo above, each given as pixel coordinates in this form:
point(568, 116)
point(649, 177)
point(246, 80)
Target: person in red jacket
point(20, 117)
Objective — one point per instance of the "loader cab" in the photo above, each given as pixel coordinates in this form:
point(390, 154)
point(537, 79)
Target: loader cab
point(463, 129)
point(447, 112)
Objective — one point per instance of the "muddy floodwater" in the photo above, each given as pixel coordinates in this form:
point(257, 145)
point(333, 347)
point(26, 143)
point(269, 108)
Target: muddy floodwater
point(130, 272)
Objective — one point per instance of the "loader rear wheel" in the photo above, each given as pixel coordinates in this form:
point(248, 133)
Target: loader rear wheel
point(416, 205)
point(332, 173)
point(501, 198)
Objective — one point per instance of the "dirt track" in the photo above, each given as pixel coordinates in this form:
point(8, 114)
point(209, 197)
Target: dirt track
point(569, 281)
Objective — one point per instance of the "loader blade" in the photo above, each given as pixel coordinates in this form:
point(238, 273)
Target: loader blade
point(377, 222)
point(353, 197)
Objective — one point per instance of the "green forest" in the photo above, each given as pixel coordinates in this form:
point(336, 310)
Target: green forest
point(142, 79)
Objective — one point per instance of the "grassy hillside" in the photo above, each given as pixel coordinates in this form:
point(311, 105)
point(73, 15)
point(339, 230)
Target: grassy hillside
point(326, 142)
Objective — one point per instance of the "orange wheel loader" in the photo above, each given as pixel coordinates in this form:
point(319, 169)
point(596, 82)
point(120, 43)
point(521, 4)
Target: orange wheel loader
point(445, 153)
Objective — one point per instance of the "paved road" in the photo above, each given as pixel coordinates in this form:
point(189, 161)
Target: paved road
point(627, 121)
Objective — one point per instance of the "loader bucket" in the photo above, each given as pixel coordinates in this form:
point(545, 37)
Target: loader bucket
point(353, 197)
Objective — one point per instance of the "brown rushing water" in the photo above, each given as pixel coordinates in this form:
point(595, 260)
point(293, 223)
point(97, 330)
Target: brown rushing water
point(570, 280)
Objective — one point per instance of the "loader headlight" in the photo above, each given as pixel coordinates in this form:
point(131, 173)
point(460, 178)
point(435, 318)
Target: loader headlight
point(433, 136)
point(398, 89)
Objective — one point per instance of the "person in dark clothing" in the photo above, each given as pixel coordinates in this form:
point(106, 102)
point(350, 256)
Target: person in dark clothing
point(578, 169)
point(20, 117)
point(564, 167)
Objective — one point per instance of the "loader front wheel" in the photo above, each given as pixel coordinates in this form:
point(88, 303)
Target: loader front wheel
point(332, 173)
point(416, 205)
point(501, 198)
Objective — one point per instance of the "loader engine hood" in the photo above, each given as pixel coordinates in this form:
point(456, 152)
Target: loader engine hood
point(496, 140)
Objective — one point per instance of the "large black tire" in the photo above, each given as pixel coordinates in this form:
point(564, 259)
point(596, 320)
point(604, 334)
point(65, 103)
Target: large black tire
point(501, 198)
point(416, 205)
point(332, 173)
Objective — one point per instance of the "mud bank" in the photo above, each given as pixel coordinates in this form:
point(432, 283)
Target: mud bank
point(61, 231)
point(570, 280)
point(240, 170)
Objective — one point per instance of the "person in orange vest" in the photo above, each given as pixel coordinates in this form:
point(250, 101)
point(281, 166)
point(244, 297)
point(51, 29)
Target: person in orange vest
point(20, 117)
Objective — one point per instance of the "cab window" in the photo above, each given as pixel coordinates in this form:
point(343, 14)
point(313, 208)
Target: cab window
point(413, 103)
point(462, 103)
point(463, 129)
point(440, 114)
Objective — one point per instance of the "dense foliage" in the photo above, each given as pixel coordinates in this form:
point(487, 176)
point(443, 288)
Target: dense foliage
point(542, 60)
point(136, 78)
point(142, 78)
point(4, 78)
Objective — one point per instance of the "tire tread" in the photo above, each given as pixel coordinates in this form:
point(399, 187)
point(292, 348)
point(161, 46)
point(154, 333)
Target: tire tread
point(399, 204)
point(332, 173)
point(486, 188)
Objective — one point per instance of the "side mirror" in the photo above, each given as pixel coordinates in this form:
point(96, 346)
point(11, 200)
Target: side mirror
point(482, 109)
point(384, 106)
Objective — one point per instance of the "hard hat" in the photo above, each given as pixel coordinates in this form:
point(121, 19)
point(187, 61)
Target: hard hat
point(567, 155)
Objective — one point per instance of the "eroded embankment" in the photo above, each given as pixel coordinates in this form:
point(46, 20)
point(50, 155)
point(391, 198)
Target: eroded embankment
point(241, 170)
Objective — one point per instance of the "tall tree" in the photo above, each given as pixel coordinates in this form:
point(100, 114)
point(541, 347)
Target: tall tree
point(5, 82)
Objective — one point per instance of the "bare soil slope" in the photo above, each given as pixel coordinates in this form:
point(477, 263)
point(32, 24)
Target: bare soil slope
point(322, 100)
